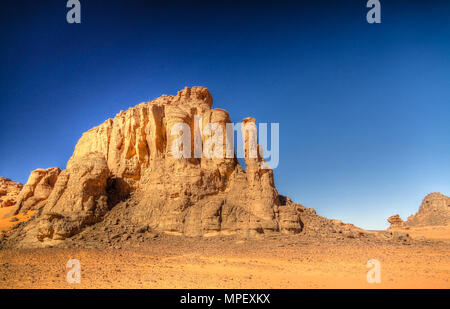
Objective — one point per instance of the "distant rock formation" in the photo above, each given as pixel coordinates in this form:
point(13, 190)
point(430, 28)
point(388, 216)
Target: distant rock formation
point(130, 158)
point(434, 211)
point(396, 221)
point(9, 190)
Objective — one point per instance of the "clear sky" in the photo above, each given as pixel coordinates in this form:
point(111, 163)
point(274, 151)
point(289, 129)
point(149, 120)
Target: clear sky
point(364, 109)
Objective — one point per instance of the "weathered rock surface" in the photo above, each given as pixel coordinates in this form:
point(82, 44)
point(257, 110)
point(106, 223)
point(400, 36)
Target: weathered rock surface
point(9, 190)
point(396, 221)
point(36, 191)
point(78, 199)
point(434, 211)
point(130, 158)
point(184, 196)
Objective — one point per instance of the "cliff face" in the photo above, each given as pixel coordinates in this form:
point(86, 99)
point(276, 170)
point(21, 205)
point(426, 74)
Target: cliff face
point(130, 157)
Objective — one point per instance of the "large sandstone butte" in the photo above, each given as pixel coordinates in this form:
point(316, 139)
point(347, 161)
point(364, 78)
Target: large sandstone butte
point(128, 158)
point(434, 211)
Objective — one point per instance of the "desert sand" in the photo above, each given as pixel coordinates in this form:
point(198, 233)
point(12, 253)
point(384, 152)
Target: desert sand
point(276, 262)
point(6, 223)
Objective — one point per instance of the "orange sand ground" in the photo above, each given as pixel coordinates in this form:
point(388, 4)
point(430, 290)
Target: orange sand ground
point(5, 224)
point(274, 262)
point(432, 232)
point(281, 262)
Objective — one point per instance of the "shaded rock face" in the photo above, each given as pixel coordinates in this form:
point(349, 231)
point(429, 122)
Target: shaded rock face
point(36, 191)
point(130, 157)
point(9, 190)
point(434, 210)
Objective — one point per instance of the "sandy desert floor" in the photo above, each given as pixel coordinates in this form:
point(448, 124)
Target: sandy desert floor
point(277, 262)
point(6, 223)
point(429, 232)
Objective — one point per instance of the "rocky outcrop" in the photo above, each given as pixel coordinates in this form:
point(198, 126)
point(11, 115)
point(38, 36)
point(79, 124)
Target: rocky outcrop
point(36, 191)
point(79, 198)
point(434, 211)
point(139, 139)
point(132, 157)
point(190, 196)
point(9, 190)
point(396, 221)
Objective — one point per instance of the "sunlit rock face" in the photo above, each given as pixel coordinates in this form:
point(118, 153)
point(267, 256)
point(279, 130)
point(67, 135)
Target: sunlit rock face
point(78, 199)
point(396, 222)
point(9, 190)
point(36, 191)
point(131, 157)
point(434, 211)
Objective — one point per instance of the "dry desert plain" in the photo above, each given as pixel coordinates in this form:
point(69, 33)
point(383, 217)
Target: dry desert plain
point(227, 262)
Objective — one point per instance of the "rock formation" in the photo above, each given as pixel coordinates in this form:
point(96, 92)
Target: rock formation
point(9, 190)
point(131, 157)
point(434, 211)
point(36, 191)
point(78, 199)
point(396, 221)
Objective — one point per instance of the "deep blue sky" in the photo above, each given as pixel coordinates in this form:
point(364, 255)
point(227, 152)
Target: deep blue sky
point(364, 110)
